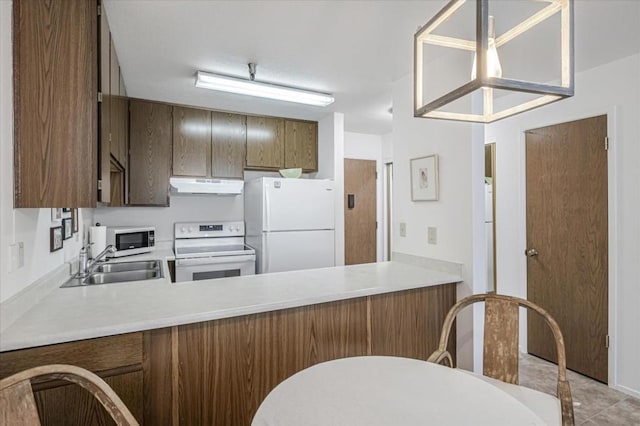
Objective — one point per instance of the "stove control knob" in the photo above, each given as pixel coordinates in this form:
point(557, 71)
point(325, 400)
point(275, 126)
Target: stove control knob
point(190, 229)
point(183, 229)
point(237, 229)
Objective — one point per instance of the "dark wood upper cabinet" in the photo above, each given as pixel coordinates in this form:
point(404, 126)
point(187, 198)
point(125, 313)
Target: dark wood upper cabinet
point(55, 75)
point(149, 153)
point(229, 141)
point(265, 143)
point(191, 142)
point(301, 145)
point(104, 108)
point(119, 112)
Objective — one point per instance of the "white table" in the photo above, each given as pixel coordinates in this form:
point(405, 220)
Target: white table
point(376, 390)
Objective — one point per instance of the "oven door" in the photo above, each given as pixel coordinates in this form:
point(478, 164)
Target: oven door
point(205, 268)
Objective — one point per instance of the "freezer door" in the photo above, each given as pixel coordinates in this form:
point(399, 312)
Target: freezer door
point(298, 204)
point(291, 251)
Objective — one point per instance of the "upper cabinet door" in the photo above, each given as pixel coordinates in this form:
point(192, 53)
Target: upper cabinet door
point(191, 142)
point(104, 108)
point(150, 153)
point(55, 75)
point(265, 143)
point(229, 140)
point(301, 145)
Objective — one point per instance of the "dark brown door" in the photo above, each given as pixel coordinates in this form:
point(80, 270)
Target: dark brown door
point(359, 211)
point(567, 267)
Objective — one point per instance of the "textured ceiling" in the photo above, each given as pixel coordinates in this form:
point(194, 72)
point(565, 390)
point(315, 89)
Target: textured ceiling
point(352, 49)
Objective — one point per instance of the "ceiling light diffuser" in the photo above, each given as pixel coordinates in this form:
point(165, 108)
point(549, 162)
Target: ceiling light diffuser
point(241, 86)
point(467, 27)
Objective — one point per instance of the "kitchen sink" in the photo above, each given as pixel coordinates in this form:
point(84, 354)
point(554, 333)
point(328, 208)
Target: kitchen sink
point(118, 277)
point(128, 266)
point(107, 273)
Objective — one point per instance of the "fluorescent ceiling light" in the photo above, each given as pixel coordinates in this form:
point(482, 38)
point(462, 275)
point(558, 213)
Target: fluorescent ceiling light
point(241, 86)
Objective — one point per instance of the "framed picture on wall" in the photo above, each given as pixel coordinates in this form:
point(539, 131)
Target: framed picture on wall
point(56, 215)
point(424, 178)
point(55, 238)
point(67, 227)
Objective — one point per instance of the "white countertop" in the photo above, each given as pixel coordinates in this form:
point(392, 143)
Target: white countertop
point(68, 314)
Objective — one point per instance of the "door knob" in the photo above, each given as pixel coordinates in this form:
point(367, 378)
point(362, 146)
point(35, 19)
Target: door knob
point(531, 252)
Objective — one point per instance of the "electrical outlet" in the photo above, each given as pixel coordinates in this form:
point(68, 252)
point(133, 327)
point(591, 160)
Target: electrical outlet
point(432, 235)
point(403, 229)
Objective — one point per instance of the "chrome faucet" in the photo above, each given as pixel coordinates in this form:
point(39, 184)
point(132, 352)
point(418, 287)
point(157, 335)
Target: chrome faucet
point(85, 265)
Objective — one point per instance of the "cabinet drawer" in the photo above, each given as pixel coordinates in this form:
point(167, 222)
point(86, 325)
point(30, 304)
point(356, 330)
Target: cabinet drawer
point(94, 355)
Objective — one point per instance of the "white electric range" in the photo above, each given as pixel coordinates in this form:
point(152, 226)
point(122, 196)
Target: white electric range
point(206, 250)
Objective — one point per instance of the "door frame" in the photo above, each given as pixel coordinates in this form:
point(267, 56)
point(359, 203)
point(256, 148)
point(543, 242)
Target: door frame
point(612, 211)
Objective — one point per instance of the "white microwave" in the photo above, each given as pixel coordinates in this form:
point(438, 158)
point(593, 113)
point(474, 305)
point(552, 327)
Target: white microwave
point(130, 240)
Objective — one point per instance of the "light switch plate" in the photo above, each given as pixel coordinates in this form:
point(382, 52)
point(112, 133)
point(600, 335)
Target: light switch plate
point(432, 235)
point(403, 229)
point(17, 255)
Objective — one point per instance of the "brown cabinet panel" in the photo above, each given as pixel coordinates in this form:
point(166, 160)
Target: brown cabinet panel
point(95, 354)
point(120, 129)
point(72, 405)
point(301, 145)
point(191, 142)
point(409, 323)
point(160, 376)
point(265, 143)
point(228, 367)
point(149, 153)
point(104, 139)
point(55, 109)
point(229, 141)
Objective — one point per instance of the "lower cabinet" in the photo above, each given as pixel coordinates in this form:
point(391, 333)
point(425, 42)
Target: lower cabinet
point(218, 372)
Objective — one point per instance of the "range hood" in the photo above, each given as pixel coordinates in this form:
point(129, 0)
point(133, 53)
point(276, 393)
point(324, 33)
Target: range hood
point(206, 186)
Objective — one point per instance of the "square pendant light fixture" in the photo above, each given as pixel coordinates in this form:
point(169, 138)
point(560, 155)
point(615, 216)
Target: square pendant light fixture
point(250, 87)
point(466, 70)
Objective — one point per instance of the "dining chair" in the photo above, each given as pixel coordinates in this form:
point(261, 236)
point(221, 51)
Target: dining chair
point(18, 406)
point(500, 355)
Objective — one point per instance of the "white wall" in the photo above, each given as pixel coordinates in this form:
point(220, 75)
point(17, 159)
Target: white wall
point(331, 166)
point(362, 146)
point(461, 172)
point(184, 208)
point(612, 89)
point(29, 226)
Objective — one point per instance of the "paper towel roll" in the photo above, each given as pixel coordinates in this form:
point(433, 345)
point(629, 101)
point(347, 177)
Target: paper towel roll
point(98, 239)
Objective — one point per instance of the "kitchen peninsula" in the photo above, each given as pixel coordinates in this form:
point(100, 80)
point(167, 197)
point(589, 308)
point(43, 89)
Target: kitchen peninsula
point(208, 352)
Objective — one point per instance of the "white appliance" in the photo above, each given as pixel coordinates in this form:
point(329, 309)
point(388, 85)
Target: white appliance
point(129, 240)
point(211, 250)
point(206, 186)
point(290, 223)
point(488, 228)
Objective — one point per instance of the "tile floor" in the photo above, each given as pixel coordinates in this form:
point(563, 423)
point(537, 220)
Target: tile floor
point(594, 403)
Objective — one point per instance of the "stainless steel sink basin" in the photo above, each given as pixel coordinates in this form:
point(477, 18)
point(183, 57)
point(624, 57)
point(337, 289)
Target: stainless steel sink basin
point(128, 266)
point(118, 277)
point(107, 273)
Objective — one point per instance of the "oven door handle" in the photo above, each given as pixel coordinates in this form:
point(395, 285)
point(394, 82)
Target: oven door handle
point(215, 260)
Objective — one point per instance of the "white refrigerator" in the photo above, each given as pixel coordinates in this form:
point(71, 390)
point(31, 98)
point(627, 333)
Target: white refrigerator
point(290, 223)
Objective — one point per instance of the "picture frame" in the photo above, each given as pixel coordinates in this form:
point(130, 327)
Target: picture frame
point(424, 178)
point(56, 215)
point(74, 218)
point(67, 228)
point(55, 238)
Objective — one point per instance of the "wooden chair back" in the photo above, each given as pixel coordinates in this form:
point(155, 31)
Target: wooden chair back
point(500, 355)
point(18, 406)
